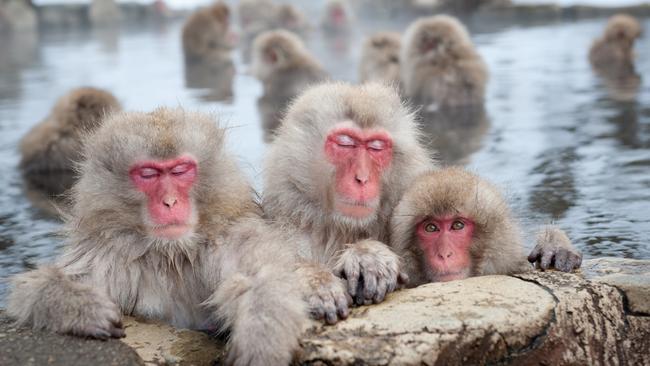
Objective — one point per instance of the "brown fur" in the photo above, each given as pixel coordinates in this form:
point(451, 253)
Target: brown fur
point(497, 245)
point(54, 145)
point(615, 47)
point(218, 275)
point(206, 34)
point(451, 74)
point(298, 180)
point(380, 58)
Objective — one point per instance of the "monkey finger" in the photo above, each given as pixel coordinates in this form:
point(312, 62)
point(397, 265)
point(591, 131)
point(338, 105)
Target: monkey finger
point(382, 287)
point(331, 316)
point(369, 286)
point(561, 258)
point(574, 260)
point(342, 307)
point(358, 298)
point(353, 282)
point(547, 260)
point(98, 333)
point(117, 332)
point(535, 254)
point(316, 309)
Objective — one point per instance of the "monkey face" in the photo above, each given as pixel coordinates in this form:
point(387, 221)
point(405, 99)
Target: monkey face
point(445, 242)
point(166, 185)
point(359, 156)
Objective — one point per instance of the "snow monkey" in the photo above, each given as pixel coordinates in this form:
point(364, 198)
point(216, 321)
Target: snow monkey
point(439, 64)
point(451, 224)
point(341, 159)
point(380, 58)
point(164, 226)
point(54, 145)
point(615, 47)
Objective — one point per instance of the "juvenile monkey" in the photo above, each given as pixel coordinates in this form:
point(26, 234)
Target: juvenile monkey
point(55, 144)
point(439, 65)
point(206, 35)
point(615, 48)
point(342, 157)
point(164, 226)
point(451, 224)
point(380, 58)
point(283, 64)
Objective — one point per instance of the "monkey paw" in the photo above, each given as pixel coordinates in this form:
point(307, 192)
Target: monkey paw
point(328, 299)
point(95, 316)
point(371, 270)
point(553, 249)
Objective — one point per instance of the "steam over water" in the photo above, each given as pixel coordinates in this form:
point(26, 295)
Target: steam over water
point(554, 138)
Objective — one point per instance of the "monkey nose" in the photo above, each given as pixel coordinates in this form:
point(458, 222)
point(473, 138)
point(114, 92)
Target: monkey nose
point(361, 179)
point(169, 201)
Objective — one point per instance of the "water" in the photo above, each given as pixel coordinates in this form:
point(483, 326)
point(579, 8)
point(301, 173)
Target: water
point(562, 149)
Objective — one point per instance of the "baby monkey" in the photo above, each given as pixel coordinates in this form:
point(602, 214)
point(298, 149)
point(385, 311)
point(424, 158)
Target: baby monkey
point(451, 225)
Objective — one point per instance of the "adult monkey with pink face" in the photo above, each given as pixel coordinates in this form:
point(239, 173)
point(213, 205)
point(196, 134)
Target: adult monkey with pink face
point(451, 224)
point(341, 160)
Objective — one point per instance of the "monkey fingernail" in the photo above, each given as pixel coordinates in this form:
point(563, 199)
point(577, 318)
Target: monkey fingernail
point(331, 318)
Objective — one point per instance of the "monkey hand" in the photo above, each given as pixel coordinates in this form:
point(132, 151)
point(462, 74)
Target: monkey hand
point(327, 296)
point(371, 270)
point(95, 316)
point(553, 249)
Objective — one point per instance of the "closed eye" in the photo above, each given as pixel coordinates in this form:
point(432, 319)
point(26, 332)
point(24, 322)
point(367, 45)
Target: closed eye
point(148, 173)
point(345, 141)
point(180, 169)
point(376, 145)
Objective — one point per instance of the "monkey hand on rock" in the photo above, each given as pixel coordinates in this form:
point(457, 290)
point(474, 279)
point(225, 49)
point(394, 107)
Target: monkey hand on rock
point(327, 297)
point(80, 309)
point(553, 249)
point(371, 270)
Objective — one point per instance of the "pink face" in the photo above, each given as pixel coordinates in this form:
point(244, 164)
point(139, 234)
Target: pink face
point(360, 157)
point(337, 14)
point(167, 185)
point(445, 242)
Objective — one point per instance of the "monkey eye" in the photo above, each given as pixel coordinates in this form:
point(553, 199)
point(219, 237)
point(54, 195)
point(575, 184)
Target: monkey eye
point(457, 225)
point(148, 173)
point(180, 169)
point(377, 145)
point(345, 141)
point(431, 227)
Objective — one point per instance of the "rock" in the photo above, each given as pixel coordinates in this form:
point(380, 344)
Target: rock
point(534, 318)
point(20, 346)
point(160, 344)
point(630, 276)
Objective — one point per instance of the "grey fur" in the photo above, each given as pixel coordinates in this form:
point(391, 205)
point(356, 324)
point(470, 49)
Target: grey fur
point(299, 183)
point(220, 275)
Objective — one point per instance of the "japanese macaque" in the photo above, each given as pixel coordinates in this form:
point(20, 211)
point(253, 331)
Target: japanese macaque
point(340, 161)
point(283, 64)
point(380, 58)
point(164, 226)
point(451, 224)
point(51, 148)
point(612, 57)
point(615, 47)
point(206, 35)
point(104, 12)
point(439, 65)
point(337, 16)
point(254, 11)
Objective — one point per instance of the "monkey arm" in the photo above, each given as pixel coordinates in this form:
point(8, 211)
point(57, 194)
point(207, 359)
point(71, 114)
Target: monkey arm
point(50, 299)
point(553, 249)
point(255, 295)
point(371, 269)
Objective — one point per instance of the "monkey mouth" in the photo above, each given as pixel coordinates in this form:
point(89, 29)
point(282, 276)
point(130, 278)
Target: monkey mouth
point(356, 209)
point(171, 231)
